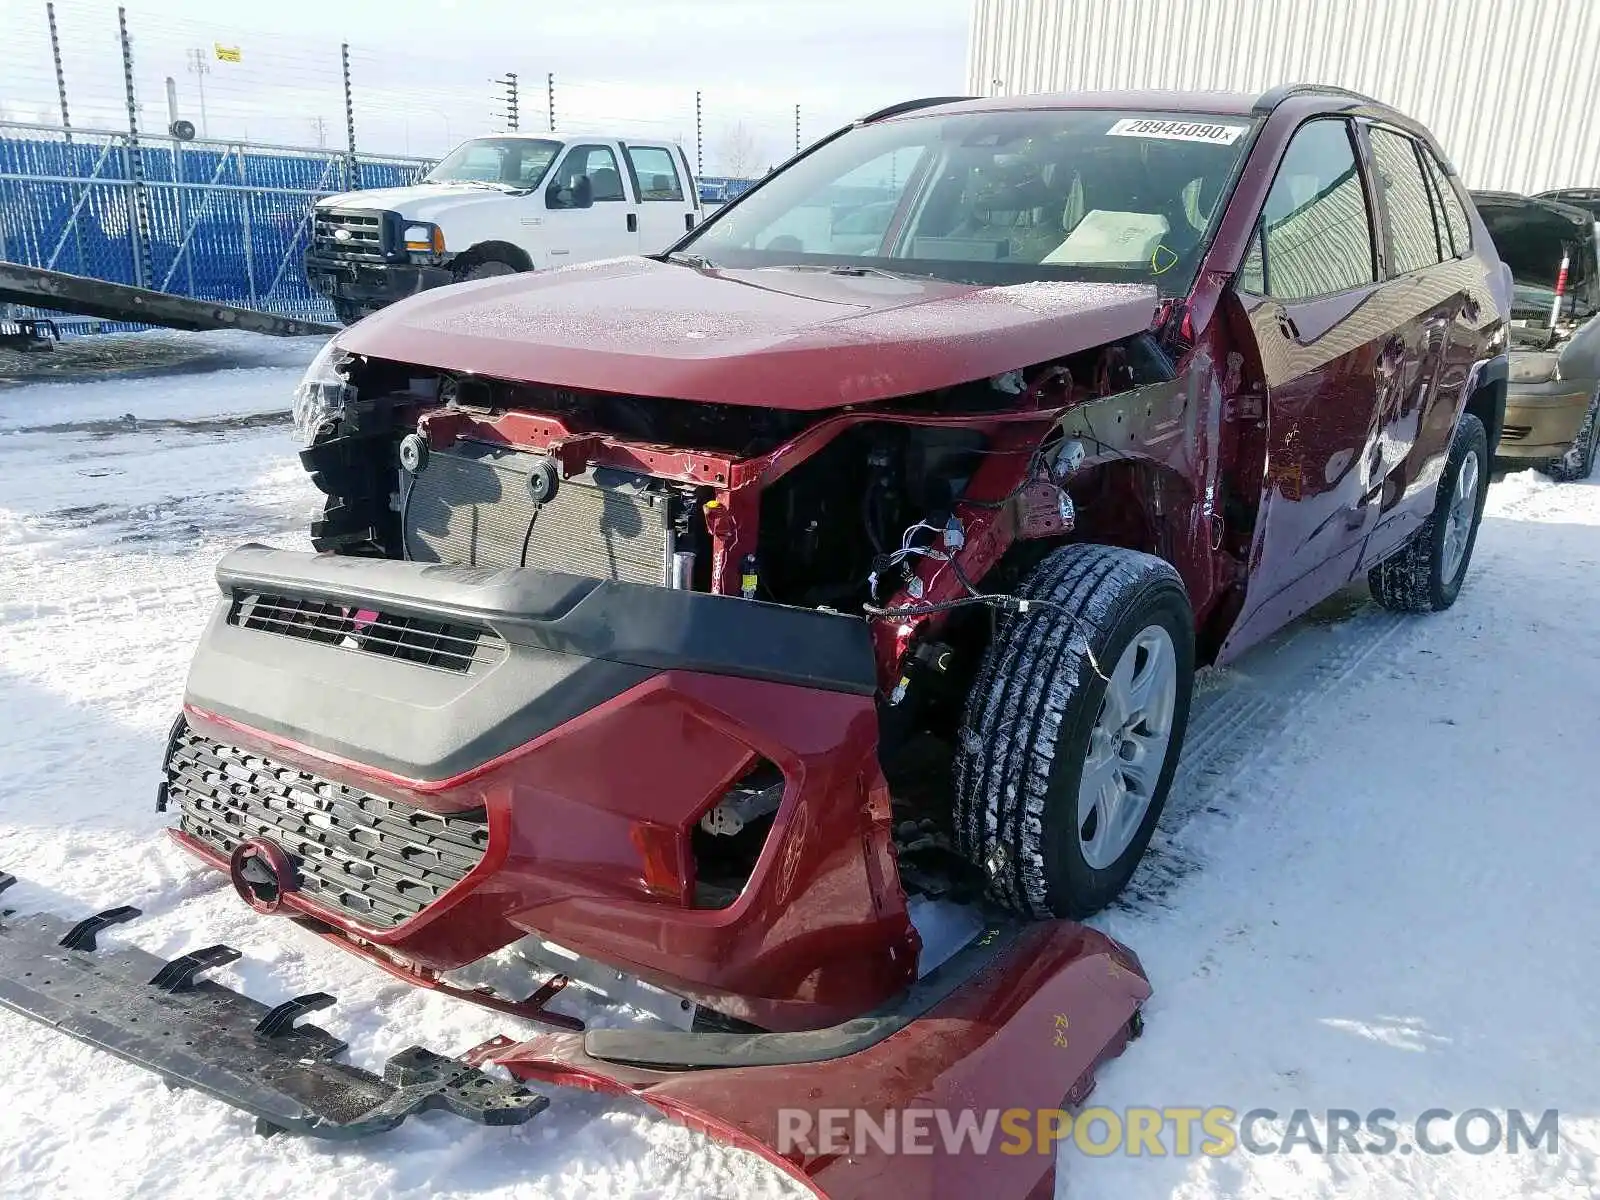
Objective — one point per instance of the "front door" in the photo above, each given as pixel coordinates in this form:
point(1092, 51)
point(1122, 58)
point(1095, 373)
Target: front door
point(607, 226)
point(1309, 290)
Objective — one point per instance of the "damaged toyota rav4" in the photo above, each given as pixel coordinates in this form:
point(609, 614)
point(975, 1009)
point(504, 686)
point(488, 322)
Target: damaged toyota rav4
point(713, 624)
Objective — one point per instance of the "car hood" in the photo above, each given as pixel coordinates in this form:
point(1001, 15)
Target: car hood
point(421, 203)
point(771, 337)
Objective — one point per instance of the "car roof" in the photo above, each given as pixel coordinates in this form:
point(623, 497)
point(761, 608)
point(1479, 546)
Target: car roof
point(1210, 103)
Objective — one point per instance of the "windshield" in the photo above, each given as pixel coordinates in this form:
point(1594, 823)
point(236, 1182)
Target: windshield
point(995, 198)
point(509, 162)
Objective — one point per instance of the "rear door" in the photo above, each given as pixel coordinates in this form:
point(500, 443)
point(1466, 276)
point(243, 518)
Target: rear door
point(1310, 292)
point(1429, 292)
point(608, 225)
point(665, 197)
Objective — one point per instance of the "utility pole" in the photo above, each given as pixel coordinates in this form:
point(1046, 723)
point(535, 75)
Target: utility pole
point(352, 167)
point(699, 140)
point(200, 68)
point(319, 126)
point(508, 86)
point(797, 129)
point(550, 100)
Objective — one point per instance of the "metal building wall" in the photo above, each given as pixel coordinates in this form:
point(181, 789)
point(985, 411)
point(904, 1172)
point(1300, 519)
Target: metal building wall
point(1511, 88)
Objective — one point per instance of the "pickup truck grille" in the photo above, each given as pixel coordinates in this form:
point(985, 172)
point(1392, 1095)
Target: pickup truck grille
point(356, 235)
point(377, 861)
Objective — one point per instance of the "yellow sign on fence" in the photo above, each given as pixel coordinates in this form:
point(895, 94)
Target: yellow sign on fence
point(228, 53)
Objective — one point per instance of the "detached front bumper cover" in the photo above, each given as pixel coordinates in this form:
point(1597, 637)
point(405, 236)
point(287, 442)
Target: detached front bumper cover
point(195, 1033)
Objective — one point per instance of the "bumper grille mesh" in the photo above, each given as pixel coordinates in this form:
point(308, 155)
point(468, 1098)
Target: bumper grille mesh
point(376, 860)
point(471, 506)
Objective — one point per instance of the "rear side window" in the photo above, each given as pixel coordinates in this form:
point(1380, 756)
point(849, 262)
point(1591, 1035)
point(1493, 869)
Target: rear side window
point(1315, 237)
point(1454, 214)
point(1414, 241)
point(656, 172)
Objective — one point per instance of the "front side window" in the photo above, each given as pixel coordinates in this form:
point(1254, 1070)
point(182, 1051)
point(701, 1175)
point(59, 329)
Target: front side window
point(1315, 236)
point(504, 162)
point(1001, 197)
point(600, 165)
point(1413, 236)
point(656, 172)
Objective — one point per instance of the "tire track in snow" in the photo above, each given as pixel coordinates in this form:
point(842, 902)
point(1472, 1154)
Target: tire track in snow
point(1236, 725)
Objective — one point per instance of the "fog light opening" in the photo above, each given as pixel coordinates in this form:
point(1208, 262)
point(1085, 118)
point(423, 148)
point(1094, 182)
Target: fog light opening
point(727, 841)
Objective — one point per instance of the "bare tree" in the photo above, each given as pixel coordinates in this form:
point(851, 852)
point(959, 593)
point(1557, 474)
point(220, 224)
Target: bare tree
point(738, 152)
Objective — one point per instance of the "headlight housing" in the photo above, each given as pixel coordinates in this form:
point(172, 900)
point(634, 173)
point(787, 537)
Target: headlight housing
point(421, 237)
point(322, 393)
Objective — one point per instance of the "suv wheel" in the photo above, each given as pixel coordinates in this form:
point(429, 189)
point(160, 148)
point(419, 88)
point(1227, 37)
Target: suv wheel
point(1578, 462)
point(1073, 728)
point(1425, 574)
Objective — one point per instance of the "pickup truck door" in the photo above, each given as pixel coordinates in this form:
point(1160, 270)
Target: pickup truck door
point(608, 225)
point(666, 199)
point(1309, 292)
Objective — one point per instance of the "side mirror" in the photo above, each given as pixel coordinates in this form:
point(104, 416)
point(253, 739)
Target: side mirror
point(579, 195)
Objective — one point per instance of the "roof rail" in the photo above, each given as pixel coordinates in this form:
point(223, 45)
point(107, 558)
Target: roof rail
point(1272, 97)
point(905, 106)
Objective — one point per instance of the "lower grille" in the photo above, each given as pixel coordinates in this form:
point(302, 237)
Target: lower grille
point(472, 505)
point(1514, 433)
point(376, 860)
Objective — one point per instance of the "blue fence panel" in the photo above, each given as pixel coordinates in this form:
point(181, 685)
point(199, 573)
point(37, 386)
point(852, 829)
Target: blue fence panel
point(229, 222)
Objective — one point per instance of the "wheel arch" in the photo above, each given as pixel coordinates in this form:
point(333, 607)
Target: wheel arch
point(493, 250)
point(1488, 400)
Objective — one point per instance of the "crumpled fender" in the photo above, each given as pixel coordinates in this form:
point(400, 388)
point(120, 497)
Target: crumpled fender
point(1027, 1031)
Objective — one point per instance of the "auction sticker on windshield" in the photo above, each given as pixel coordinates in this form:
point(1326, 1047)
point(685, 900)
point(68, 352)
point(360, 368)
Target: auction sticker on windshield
point(1178, 131)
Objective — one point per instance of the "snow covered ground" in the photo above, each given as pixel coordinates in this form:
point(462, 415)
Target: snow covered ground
point(1375, 885)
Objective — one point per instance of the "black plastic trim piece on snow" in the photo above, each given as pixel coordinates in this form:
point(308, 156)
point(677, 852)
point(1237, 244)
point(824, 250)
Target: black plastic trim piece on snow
point(196, 1033)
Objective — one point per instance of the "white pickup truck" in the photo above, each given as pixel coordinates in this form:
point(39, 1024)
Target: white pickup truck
point(495, 205)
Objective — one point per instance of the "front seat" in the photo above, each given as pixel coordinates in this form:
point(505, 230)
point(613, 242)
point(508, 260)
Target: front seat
point(607, 184)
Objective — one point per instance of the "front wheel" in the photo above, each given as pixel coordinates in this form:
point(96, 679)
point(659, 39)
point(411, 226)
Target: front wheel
point(1425, 574)
point(1578, 462)
point(483, 268)
point(1073, 728)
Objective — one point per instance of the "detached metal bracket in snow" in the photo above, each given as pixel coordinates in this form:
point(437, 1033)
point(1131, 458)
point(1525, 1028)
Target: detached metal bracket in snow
point(195, 1033)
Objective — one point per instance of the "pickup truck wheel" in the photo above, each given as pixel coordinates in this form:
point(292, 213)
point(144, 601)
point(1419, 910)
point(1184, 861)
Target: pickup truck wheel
point(1578, 462)
point(348, 311)
point(1073, 728)
point(1425, 574)
point(483, 268)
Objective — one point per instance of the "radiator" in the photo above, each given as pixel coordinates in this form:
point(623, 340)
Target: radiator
point(471, 505)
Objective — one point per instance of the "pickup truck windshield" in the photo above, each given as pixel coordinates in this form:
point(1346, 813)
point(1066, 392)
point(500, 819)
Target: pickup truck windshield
point(510, 162)
point(1003, 197)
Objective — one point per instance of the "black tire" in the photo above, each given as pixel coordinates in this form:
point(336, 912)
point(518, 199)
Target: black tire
point(348, 311)
point(482, 268)
point(1412, 579)
point(1578, 462)
point(1029, 718)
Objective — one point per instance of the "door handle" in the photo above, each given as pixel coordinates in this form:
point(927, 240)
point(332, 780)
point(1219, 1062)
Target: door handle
point(633, 222)
point(1287, 327)
point(1469, 309)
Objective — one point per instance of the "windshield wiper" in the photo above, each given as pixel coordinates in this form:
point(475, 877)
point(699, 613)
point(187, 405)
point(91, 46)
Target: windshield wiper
point(691, 260)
